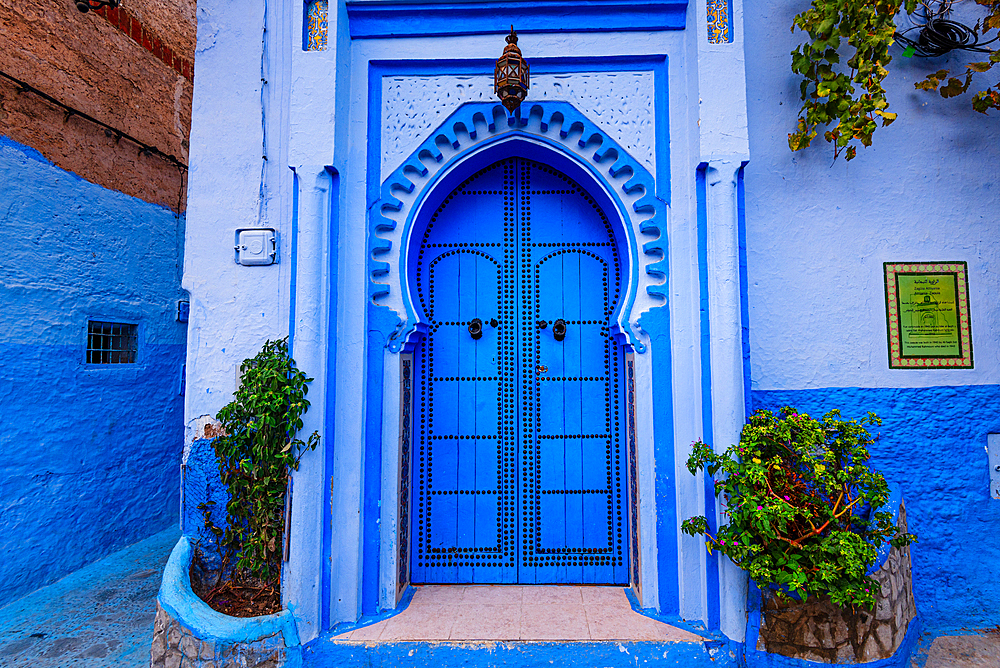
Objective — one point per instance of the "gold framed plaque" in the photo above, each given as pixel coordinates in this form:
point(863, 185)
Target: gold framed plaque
point(927, 315)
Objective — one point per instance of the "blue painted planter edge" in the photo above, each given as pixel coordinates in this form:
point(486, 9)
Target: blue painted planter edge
point(178, 599)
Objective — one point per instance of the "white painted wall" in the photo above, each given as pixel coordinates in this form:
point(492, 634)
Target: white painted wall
point(818, 231)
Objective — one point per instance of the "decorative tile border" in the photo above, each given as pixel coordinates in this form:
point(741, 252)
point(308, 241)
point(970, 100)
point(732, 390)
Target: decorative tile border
point(720, 22)
point(633, 486)
point(317, 25)
point(944, 288)
point(405, 421)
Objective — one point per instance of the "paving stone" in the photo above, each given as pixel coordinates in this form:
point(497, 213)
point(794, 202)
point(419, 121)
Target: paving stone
point(90, 618)
point(969, 651)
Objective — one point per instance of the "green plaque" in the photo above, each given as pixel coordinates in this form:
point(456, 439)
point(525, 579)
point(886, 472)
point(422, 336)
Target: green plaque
point(927, 315)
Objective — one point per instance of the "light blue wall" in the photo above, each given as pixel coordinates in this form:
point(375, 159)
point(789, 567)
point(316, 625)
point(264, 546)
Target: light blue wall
point(817, 233)
point(88, 456)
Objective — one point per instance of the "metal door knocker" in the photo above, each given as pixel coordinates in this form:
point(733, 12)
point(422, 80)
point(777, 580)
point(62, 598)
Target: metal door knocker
point(476, 328)
point(559, 329)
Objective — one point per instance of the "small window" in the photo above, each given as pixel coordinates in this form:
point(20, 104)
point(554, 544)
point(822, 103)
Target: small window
point(111, 342)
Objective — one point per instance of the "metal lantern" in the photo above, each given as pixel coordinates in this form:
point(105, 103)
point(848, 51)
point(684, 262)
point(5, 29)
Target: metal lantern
point(510, 78)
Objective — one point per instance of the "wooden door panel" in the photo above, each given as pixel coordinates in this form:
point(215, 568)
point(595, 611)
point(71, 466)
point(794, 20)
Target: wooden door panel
point(517, 457)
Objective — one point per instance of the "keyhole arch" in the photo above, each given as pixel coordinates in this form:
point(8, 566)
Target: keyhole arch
point(519, 459)
point(543, 152)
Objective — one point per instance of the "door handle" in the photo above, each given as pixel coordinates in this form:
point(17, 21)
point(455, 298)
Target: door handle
point(476, 328)
point(559, 329)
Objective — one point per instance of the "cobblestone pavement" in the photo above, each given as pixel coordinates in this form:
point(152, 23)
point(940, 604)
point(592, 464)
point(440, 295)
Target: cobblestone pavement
point(100, 615)
point(965, 651)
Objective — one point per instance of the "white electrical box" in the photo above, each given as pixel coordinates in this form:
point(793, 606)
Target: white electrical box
point(256, 246)
point(993, 447)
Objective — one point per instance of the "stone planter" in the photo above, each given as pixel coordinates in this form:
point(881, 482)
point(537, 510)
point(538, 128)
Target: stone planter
point(188, 633)
point(815, 631)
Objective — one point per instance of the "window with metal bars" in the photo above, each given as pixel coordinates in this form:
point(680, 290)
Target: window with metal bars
point(111, 342)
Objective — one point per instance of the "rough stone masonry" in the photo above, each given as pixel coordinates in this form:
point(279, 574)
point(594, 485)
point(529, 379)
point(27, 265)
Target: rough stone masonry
point(818, 630)
point(175, 646)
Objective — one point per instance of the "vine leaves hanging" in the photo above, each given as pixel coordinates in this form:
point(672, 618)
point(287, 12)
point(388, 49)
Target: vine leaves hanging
point(846, 99)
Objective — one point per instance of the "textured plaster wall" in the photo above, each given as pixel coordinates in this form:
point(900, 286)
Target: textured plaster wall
point(234, 309)
point(85, 62)
point(818, 232)
point(88, 456)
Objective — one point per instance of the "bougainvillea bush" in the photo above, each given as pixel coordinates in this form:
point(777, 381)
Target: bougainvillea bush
point(803, 511)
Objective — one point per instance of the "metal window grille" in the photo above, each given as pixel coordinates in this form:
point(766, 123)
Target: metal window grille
point(111, 342)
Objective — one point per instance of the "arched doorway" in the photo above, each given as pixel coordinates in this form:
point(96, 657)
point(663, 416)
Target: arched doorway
point(519, 449)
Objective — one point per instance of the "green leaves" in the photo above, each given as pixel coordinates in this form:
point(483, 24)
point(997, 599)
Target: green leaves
point(846, 100)
point(255, 455)
point(798, 495)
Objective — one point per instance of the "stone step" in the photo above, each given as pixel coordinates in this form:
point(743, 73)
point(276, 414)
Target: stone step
point(327, 653)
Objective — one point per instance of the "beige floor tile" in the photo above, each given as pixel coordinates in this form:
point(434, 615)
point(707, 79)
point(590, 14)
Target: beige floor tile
point(554, 622)
point(370, 632)
point(487, 622)
point(438, 595)
point(492, 595)
point(420, 622)
point(608, 596)
point(545, 595)
point(611, 624)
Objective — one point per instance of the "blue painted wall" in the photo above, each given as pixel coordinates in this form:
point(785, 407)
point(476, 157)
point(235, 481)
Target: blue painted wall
point(817, 233)
point(203, 486)
point(932, 443)
point(88, 455)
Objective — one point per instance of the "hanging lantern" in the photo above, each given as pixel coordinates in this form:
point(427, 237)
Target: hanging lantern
point(510, 78)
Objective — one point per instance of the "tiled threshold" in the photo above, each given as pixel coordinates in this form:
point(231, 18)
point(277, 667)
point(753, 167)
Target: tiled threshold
point(518, 613)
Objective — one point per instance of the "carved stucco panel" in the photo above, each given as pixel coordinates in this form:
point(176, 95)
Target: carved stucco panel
point(620, 102)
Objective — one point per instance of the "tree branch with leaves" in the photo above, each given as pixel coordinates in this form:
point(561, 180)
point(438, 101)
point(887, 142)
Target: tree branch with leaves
point(847, 97)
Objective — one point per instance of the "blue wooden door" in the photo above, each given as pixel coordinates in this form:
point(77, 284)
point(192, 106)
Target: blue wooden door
point(518, 462)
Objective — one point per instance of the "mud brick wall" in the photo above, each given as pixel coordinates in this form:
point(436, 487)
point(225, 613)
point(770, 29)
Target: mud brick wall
point(818, 630)
point(93, 63)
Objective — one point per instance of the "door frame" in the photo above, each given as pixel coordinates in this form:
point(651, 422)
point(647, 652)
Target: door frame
point(477, 135)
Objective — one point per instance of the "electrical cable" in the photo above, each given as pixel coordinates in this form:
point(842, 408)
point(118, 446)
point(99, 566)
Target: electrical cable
point(109, 130)
point(939, 36)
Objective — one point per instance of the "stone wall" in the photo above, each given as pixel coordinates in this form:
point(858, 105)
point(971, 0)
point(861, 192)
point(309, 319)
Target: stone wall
point(818, 630)
point(176, 646)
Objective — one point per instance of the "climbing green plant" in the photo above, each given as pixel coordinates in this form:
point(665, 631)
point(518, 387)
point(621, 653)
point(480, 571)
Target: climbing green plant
point(255, 456)
point(846, 97)
point(803, 511)
point(844, 62)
